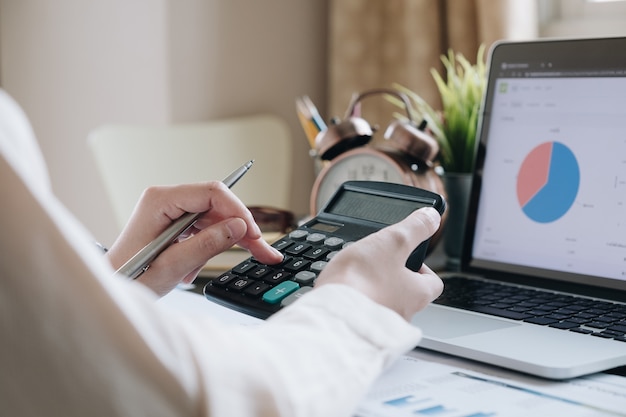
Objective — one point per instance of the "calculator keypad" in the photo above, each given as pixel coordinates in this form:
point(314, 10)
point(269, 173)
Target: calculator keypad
point(262, 290)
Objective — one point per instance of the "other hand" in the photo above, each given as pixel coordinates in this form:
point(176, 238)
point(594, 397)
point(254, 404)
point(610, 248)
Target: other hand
point(375, 265)
point(225, 222)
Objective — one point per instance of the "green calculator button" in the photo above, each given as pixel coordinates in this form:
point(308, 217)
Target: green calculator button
point(282, 290)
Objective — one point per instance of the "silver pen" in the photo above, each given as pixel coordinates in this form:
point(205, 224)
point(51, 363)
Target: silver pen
point(139, 263)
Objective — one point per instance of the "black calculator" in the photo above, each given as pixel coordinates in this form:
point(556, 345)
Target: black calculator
point(357, 209)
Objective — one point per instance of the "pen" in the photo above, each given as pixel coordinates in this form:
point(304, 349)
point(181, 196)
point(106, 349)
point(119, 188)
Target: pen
point(140, 262)
point(315, 115)
point(310, 129)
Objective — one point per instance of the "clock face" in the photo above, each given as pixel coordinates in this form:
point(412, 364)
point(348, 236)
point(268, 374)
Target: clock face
point(360, 164)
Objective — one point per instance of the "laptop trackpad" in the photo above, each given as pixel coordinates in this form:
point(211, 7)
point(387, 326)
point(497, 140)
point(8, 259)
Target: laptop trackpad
point(443, 323)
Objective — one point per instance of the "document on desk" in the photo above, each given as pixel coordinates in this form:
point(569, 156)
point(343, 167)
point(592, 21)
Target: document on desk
point(428, 384)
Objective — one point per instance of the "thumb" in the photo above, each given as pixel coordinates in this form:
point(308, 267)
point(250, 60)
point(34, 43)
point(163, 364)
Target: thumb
point(417, 227)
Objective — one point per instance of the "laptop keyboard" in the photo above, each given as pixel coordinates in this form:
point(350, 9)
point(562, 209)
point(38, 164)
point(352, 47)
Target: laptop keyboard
point(561, 311)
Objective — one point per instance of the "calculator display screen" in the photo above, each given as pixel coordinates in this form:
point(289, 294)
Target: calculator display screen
point(324, 227)
point(376, 208)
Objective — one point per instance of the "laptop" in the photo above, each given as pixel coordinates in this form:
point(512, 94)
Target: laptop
point(542, 282)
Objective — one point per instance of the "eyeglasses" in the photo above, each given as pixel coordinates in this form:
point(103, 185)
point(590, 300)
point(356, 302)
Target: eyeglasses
point(272, 219)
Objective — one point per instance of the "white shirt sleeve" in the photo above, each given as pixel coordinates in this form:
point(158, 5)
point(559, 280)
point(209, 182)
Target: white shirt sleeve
point(77, 341)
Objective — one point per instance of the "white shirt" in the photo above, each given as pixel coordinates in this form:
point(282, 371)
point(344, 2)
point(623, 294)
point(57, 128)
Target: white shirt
point(77, 341)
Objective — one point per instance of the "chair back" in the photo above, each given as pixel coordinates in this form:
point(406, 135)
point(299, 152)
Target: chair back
point(131, 158)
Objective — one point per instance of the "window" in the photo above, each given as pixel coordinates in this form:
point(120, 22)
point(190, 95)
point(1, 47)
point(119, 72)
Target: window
point(562, 18)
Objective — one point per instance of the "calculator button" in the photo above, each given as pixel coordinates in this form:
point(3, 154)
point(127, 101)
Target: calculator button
point(298, 234)
point(244, 300)
point(317, 266)
point(296, 264)
point(256, 289)
point(224, 279)
point(295, 296)
point(259, 272)
point(334, 242)
point(277, 277)
point(282, 290)
point(244, 267)
point(315, 253)
point(298, 249)
point(240, 284)
point(316, 237)
point(281, 244)
point(331, 255)
point(305, 277)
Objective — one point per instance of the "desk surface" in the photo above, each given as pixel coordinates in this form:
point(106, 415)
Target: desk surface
point(428, 383)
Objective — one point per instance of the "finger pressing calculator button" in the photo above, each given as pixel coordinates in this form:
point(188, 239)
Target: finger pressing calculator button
point(282, 290)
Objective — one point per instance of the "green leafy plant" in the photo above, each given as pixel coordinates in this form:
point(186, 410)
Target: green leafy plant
point(454, 127)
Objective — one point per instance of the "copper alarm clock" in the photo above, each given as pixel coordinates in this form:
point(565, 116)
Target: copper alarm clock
point(405, 156)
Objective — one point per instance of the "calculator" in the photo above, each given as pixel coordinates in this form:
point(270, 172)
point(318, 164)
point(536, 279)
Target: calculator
point(357, 209)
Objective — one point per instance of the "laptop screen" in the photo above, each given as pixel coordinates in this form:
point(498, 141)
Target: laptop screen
point(550, 189)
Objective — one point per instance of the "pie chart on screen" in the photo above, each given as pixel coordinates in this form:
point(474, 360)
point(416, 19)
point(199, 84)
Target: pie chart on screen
point(547, 182)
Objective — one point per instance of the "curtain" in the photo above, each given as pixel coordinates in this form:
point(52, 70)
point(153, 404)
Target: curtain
point(375, 43)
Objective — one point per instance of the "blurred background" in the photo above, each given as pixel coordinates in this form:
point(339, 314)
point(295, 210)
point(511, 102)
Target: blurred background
point(74, 65)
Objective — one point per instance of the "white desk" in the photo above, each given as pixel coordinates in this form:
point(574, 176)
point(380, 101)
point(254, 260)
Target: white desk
point(424, 383)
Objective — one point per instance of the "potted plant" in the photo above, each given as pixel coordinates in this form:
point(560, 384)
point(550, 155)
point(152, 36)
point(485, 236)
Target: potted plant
point(454, 127)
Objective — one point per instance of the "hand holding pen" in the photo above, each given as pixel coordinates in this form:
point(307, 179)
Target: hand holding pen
point(138, 264)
